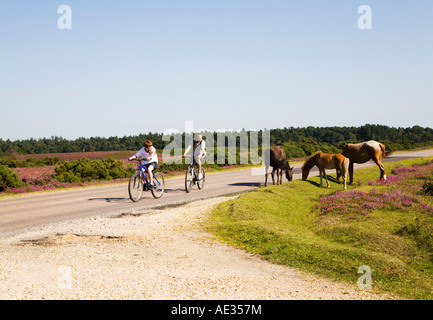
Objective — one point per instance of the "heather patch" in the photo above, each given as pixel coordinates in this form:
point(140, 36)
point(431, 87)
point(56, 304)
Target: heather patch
point(413, 178)
point(359, 203)
point(403, 190)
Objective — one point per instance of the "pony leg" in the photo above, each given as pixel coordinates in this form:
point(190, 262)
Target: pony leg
point(344, 170)
point(381, 168)
point(338, 174)
point(326, 177)
point(272, 174)
point(351, 172)
point(322, 173)
point(344, 180)
point(378, 162)
point(266, 175)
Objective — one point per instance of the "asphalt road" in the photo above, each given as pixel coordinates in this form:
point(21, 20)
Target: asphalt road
point(30, 210)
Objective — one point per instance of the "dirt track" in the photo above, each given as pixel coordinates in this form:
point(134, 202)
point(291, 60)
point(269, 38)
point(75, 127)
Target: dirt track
point(159, 255)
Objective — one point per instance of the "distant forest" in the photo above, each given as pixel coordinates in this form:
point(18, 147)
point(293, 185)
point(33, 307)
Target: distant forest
point(302, 141)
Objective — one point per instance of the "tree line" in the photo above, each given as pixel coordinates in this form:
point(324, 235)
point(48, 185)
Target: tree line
point(394, 138)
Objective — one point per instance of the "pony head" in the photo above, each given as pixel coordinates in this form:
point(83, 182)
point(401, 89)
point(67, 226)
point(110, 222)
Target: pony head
point(305, 173)
point(306, 169)
point(289, 172)
point(309, 163)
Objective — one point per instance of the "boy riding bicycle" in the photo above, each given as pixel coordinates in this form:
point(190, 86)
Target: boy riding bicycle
point(198, 146)
point(149, 157)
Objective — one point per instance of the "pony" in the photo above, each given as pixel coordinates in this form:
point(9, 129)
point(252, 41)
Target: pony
point(276, 158)
point(363, 152)
point(326, 161)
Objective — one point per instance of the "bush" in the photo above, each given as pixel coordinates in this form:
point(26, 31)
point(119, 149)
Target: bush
point(87, 170)
point(428, 188)
point(9, 179)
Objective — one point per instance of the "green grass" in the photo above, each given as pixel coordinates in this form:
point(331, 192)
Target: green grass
point(283, 225)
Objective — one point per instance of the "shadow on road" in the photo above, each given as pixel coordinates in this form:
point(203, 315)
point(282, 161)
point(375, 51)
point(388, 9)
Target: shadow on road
point(110, 199)
point(245, 184)
point(168, 190)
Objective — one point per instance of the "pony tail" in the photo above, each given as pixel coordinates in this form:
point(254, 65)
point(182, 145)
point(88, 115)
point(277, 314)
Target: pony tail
point(345, 169)
point(346, 162)
point(383, 148)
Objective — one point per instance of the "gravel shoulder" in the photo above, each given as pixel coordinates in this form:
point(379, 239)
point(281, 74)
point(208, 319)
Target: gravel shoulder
point(162, 254)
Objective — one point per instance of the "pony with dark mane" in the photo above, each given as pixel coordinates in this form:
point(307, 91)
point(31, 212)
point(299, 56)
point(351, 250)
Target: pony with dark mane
point(326, 161)
point(363, 152)
point(275, 157)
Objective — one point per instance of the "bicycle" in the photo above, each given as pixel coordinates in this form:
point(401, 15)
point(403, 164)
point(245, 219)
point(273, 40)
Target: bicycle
point(191, 177)
point(139, 183)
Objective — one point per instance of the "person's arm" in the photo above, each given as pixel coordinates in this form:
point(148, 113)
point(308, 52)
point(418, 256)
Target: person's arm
point(202, 150)
point(187, 149)
point(135, 156)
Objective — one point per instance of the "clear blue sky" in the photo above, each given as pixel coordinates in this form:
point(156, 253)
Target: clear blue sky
point(130, 67)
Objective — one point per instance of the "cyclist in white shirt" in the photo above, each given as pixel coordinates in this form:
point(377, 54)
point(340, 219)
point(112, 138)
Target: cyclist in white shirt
point(149, 157)
point(198, 146)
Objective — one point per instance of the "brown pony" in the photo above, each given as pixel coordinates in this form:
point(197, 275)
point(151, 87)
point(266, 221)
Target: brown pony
point(326, 161)
point(363, 152)
point(276, 158)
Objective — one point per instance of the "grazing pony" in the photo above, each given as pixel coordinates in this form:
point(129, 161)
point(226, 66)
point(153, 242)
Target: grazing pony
point(326, 161)
point(276, 158)
point(363, 152)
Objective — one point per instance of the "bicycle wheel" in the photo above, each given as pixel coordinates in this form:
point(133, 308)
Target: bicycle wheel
point(159, 183)
point(188, 179)
point(135, 186)
point(200, 183)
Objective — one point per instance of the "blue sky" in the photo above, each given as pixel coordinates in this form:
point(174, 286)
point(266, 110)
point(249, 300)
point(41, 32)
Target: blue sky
point(130, 67)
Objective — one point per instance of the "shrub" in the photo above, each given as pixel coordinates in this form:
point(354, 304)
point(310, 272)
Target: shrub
point(9, 179)
point(428, 188)
point(83, 170)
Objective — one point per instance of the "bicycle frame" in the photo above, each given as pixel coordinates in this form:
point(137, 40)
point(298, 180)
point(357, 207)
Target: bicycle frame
point(194, 164)
point(144, 170)
point(192, 175)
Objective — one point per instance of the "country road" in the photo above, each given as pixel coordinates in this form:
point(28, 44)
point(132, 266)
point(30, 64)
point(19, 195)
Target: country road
point(30, 210)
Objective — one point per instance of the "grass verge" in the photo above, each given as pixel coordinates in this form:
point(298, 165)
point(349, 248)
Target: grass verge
point(288, 225)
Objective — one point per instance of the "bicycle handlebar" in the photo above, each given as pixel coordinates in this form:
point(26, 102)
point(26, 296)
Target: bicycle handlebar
point(136, 159)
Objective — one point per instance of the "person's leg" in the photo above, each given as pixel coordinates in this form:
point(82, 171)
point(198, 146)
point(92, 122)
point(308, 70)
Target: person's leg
point(150, 169)
point(198, 161)
point(199, 165)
